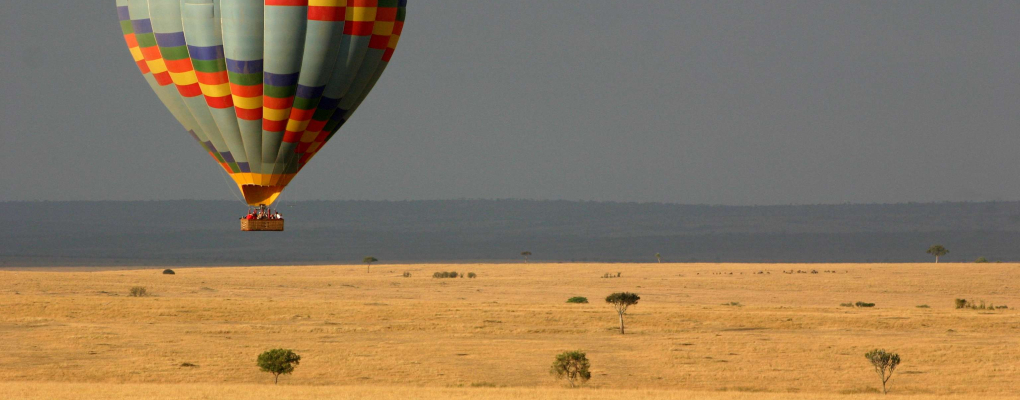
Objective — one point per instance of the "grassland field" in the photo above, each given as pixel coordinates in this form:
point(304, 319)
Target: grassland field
point(700, 331)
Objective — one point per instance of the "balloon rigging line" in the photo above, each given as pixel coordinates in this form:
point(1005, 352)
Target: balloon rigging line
point(225, 177)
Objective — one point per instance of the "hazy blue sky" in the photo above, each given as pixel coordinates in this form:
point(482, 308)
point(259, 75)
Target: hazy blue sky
point(720, 102)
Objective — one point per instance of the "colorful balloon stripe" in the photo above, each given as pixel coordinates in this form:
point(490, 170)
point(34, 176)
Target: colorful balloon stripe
point(261, 85)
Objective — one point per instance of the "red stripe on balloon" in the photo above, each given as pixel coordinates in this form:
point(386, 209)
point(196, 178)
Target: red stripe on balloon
point(316, 125)
point(163, 78)
point(273, 126)
point(191, 90)
point(379, 42)
point(220, 102)
point(286, 2)
point(248, 114)
point(322, 13)
point(386, 14)
point(298, 114)
point(359, 28)
point(277, 104)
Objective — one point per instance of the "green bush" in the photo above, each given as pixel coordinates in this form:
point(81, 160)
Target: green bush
point(981, 260)
point(407, 274)
point(445, 274)
point(923, 306)
point(978, 305)
point(572, 366)
point(846, 304)
point(278, 362)
point(862, 304)
point(168, 271)
point(138, 291)
point(472, 275)
point(577, 299)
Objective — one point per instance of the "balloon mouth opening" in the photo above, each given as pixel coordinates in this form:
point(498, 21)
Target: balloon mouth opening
point(256, 195)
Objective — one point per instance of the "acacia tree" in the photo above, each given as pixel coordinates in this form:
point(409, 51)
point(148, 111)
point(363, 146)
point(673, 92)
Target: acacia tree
point(937, 251)
point(278, 362)
point(620, 302)
point(884, 363)
point(369, 260)
point(658, 257)
point(526, 254)
point(572, 366)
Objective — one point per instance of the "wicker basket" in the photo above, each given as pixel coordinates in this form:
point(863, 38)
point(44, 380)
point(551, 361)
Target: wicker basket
point(261, 224)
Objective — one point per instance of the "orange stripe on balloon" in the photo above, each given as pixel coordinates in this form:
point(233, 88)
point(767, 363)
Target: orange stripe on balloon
point(246, 91)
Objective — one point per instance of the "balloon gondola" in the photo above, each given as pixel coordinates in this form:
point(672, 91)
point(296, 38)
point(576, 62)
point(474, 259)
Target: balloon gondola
point(262, 85)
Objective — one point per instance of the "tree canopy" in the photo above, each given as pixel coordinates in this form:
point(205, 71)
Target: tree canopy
point(278, 362)
point(885, 363)
point(620, 302)
point(938, 250)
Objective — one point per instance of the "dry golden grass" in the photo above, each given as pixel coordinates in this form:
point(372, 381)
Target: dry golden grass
point(379, 335)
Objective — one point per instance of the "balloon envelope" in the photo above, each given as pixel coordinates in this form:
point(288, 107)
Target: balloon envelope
point(262, 85)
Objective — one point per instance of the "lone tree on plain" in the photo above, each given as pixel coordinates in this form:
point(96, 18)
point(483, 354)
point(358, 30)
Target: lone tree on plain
point(884, 363)
point(526, 254)
point(620, 302)
point(658, 257)
point(369, 260)
point(937, 251)
point(572, 366)
point(278, 362)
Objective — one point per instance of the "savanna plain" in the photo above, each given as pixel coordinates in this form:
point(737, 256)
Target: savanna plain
point(700, 331)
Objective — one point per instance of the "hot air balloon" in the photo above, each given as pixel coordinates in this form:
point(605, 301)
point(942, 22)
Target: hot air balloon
point(262, 85)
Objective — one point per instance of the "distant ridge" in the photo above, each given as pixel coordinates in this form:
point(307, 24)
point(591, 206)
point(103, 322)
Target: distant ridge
point(185, 232)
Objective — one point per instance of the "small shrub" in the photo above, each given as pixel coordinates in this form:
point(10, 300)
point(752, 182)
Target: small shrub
point(846, 304)
point(407, 274)
point(862, 304)
point(981, 260)
point(188, 365)
point(572, 366)
point(923, 306)
point(472, 275)
point(445, 274)
point(138, 291)
point(168, 271)
point(961, 303)
point(733, 304)
point(978, 305)
point(578, 299)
